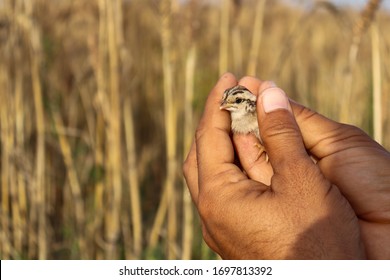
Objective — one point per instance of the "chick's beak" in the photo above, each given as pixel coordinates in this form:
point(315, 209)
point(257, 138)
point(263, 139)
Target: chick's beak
point(224, 105)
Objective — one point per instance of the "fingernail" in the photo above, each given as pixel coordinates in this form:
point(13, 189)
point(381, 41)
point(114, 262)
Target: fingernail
point(273, 99)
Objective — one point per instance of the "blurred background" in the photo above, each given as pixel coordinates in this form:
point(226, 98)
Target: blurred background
point(99, 100)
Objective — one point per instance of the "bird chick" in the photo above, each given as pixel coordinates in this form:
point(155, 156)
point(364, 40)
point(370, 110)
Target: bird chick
point(241, 104)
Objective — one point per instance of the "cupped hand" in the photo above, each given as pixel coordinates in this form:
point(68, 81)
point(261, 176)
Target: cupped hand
point(351, 160)
point(360, 167)
point(283, 209)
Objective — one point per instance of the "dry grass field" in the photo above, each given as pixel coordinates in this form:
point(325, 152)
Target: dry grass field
point(99, 100)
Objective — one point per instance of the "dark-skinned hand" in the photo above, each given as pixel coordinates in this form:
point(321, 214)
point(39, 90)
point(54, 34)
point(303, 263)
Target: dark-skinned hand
point(289, 207)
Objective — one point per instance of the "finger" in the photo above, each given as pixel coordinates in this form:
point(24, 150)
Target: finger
point(255, 166)
point(316, 130)
point(342, 150)
point(190, 166)
point(251, 83)
point(213, 144)
point(190, 171)
point(322, 135)
point(248, 153)
point(280, 133)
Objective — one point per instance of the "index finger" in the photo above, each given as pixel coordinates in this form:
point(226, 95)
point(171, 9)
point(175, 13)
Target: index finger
point(213, 144)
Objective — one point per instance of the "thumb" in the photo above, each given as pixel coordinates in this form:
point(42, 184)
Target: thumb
point(279, 131)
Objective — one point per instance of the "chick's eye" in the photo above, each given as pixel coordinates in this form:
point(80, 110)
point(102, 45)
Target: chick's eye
point(238, 100)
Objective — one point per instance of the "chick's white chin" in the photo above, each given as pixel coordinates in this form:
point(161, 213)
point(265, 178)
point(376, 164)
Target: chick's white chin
point(238, 114)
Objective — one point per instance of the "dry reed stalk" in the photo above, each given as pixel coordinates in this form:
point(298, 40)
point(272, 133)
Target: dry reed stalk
point(135, 198)
point(98, 208)
point(15, 214)
point(167, 206)
point(102, 117)
point(237, 50)
point(188, 218)
point(377, 84)
point(236, 40)
point(114, 187)
point(20, 236)
point(256, 39)
point(40, 158)
point(134, 238)
point(5, 236)
point(156, 229)
point(366, 17)
point(75, 188)
point(35, 224)
point(40, 183)
point(170, 118)
point(10, 221)
point(12, 213)
point(224, 37)
point(127, 243)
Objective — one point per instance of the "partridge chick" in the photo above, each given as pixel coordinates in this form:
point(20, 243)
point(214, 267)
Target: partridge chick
point(241, 104)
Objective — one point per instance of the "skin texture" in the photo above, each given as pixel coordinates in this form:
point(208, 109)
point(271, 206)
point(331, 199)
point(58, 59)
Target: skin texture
point(291, 207)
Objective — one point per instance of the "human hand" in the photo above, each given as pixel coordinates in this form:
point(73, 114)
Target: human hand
point(284, 210)
point(359, 167)
point(352, 161)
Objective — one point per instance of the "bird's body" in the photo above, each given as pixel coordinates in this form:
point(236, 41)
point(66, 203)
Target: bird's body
point(241, 104)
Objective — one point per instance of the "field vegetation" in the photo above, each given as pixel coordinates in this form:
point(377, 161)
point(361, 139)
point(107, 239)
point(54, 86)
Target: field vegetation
point(99, 100)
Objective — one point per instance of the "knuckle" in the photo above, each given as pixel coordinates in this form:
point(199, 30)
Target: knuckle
point(278, 127)
point(305, 113)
